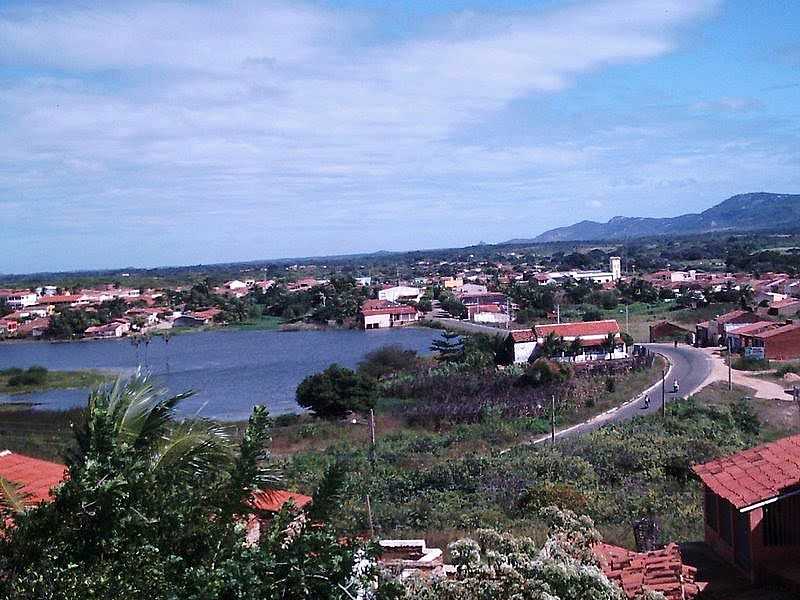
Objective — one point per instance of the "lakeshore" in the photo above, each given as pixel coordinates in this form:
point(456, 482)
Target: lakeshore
point(231, 370)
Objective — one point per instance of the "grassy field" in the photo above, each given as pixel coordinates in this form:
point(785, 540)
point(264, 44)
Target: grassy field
point(641, 316)
point(54, 380)
point(260, 323)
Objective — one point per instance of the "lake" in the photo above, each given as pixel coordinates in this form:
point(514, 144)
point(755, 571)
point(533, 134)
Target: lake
point(232, 371)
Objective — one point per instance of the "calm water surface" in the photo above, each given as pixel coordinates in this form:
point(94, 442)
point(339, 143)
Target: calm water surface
point(231, 371)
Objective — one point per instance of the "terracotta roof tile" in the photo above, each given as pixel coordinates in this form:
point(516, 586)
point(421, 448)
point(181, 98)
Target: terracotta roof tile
point(36, 476)
point(579, 329)
point(273, 500)
point(756, 474)
point(660, 570)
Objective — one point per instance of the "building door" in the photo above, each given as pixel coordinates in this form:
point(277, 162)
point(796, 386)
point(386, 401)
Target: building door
point(742, 536)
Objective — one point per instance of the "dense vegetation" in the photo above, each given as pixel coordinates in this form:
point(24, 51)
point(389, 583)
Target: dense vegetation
point(153, 509)
point(440, 482)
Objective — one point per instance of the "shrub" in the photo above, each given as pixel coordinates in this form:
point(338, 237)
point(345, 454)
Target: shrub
point(543, 371)
point(336, 392)
point(33, 376)
point(750, 364)
point(592, 315)
point(387, 360)
point(787, 368)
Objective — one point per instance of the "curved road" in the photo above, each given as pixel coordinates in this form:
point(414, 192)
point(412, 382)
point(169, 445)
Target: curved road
point(688, 365)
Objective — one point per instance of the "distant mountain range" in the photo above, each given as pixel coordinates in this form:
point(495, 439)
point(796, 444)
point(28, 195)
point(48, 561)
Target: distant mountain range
point(745, 212)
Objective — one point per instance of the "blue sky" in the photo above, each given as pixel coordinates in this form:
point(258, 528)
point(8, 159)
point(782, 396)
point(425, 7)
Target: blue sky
point(153, 133)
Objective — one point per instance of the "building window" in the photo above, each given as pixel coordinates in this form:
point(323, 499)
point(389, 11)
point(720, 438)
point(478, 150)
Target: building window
point(711, 510)
point(725, 521)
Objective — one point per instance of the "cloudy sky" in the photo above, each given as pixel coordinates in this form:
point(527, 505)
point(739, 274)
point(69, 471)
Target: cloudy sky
point(148, 133)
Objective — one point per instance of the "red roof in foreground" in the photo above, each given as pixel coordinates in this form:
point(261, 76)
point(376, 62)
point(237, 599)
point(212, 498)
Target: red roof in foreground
point(273, 501)
point(755, 474)
point(578, 329)
point(660, 571)
point(36, 476)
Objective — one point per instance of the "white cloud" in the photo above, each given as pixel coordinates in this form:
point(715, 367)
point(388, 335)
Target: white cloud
point(263, 109)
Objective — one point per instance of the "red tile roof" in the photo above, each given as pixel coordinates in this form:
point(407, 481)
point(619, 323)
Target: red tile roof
point(385, 307)
point(660, 571)
point(274, 500)
point(61, 299)
point(733, 315)
point(579, 329)
point(523, 335)
point(754, 475)
point(784, 303)
point(752, 328)
point(777, 331)
point(36, 476)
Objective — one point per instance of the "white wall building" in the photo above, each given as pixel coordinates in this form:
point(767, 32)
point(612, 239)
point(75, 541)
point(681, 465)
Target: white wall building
point(400, 292)
point(592, 336)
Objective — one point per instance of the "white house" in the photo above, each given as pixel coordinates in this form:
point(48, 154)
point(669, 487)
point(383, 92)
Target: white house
point(592, 336)
point(488, 313)
point(400, 292)
point(472, 288)
point(19, 298)
point(600, 277)
point(380, 314)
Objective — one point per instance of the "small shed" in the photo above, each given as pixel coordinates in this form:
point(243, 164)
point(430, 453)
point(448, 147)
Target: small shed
point(752, 508)
point(664, 331)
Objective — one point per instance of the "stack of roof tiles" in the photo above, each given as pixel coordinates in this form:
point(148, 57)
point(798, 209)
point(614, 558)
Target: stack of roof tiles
point(659, 571)
point(756, 474)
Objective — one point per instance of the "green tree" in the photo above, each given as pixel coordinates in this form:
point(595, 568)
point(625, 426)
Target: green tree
point(449, 347)
point(610, 343)
point(154, 508)
point(335, 392)
point(387, 360)
point(553, 345)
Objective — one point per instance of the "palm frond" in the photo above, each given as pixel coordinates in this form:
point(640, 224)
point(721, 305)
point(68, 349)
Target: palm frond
point(13, 499)
point(193, 450)
point(329, 491)
point(138, 411)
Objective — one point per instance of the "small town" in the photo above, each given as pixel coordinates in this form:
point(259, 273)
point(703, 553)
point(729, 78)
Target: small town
point(349, 300)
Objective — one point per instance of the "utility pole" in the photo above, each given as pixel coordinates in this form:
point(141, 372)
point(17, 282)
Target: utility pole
point(558, 314)
point(796, 395)
point(369, 517)
point(663, 392)
point(627, 328)
point(372, 436)
point(553, 419)
point(730, 366)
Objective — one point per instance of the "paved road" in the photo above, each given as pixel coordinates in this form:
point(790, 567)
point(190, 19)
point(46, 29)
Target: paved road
point(689, 366)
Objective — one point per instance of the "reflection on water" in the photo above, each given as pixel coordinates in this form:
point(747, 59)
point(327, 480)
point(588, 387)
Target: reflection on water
point(231, 370)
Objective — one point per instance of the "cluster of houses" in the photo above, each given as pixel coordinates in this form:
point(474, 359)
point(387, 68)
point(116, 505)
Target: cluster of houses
point(32, 310)
point(751, 519)
point(752, 334)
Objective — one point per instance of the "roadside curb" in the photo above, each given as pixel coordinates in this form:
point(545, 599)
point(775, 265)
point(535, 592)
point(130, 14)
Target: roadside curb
point(604, 416)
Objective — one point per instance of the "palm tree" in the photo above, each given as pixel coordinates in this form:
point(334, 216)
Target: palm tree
point(575, 347)
point(138, 418)
point(609, 344)
point(553, 345)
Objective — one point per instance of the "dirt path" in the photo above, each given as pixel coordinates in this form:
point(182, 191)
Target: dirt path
point(762, 388)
